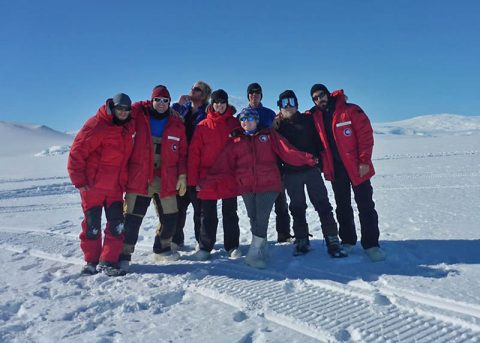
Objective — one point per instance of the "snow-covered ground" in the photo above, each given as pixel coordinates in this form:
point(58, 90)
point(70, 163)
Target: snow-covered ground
point(427, 191)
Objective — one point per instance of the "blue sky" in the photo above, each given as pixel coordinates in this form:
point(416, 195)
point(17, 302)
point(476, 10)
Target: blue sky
point(60, 60)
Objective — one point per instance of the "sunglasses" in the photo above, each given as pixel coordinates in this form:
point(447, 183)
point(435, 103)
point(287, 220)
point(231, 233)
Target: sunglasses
point(288, 102)
point(123, 108)
point(319, 96)
point(220, 101)
point(164, 100)
point(197, 89)
point(255, 91)
point(249, 118)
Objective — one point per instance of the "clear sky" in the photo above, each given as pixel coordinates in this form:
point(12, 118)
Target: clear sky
point(61, 59)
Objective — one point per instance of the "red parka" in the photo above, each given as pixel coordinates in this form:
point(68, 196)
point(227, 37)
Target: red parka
point(173, 153)
point(353, 134)
point(100, 152)
point(209, 139)
point(249, 164)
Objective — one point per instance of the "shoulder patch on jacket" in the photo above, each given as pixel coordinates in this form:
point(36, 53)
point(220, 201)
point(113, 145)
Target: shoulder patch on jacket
point(263, 138)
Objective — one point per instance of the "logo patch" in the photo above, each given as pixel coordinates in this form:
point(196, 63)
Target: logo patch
point(347, 132)
point(174, 147)
point(263, 138)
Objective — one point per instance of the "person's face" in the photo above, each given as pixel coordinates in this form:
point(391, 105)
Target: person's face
point(254, 98)
point(288, 107)
point(161, 104)
point(122, 112)
point(220, 106)
point(248, 123)
point(320, 98)
point(197, 93)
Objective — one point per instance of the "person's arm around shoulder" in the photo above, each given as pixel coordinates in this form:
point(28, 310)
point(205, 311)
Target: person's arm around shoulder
point(288, 153)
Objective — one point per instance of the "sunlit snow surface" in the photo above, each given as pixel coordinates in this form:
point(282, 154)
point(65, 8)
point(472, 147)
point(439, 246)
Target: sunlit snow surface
point(427, 191)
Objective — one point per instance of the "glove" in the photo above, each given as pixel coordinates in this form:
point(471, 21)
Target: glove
point(182, 184)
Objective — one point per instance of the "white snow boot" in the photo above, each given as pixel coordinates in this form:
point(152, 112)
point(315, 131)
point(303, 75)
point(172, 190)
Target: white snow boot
point(256, 254)
point(375, 254)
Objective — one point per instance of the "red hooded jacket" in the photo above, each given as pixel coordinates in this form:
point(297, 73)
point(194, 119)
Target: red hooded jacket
point(249, 164)
point(209, 139)
point(353, 134)
point(100, 152)
point(173, 153)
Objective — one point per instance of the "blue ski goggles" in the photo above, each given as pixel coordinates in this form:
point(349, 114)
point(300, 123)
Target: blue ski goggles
point(249, 118)
point(285, 102)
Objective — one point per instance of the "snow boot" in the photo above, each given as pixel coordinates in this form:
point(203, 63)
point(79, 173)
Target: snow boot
point(348, 248)
point(201, 255)
point(166, 255)
point(284, 237)
point(110, 269)
point(375, 254)
point(89, 269)
point(302, 246)
point(256, 254)
point(334, 248)
point(124, 265)
point(234, 253)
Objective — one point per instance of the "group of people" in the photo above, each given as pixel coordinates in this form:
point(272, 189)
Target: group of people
point(199, 150)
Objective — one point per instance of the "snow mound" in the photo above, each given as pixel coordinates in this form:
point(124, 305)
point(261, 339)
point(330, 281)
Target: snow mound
point(431, 125)
point(54, 151)
point(17, 139)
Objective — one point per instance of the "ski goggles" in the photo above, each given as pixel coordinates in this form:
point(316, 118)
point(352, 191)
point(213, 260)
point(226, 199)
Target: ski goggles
point(164, 100)
point(319, 96)
point(283, 103)
point(123, 108)
point(248, 118)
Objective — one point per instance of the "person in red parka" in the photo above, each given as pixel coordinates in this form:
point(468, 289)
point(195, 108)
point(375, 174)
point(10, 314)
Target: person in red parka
point(347, 135)
point(157, 170)
point(209, 138)
point(251, 159)
point(97, 166)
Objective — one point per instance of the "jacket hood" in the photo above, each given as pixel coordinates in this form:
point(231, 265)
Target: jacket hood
point(229, 112)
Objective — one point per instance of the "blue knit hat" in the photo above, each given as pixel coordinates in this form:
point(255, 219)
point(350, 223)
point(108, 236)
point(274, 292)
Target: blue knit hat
point(249, 112)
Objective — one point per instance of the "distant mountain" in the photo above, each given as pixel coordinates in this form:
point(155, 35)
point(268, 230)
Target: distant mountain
point(431, 125)
point(18, 138)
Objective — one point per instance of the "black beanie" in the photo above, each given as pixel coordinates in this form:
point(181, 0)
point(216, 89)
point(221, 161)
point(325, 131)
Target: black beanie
point(254, 87)
point(122, 99)
point(219, 94)
point(287, 94)
point(319, 87)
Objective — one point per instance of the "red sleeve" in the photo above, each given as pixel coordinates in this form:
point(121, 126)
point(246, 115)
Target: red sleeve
point(363, 133)
point(86, 141)
point(288, 153)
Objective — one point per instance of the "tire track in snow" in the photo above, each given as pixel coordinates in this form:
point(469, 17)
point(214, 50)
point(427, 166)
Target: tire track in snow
point(323, 310)
point(35, 191)
point(325, 313)
point(36, 208)
point(426, 155)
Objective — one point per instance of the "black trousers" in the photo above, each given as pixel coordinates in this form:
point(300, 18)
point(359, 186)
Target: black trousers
point(189, 198)
point(295, 183)
point(208, 229)
point(282, 218)
point(368, 216)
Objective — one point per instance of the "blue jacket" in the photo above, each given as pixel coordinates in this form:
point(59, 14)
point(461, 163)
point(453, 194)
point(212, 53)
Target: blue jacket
point(190, 120)
point(266, 117)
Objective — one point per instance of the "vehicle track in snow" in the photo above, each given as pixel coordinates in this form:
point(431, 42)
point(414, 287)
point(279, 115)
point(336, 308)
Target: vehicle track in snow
point(322, 309)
